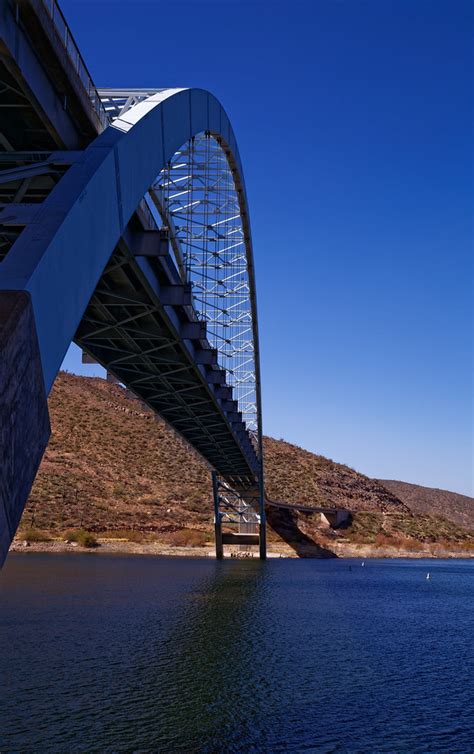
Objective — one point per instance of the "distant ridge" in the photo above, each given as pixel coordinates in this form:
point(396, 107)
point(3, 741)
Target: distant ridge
point(429, 500)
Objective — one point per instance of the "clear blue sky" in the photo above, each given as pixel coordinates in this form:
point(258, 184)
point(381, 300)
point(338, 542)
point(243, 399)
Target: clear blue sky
point(354, 123)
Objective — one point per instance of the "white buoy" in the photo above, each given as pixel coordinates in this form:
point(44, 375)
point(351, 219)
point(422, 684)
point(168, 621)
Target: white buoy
point(428, 576)
point(363, 563)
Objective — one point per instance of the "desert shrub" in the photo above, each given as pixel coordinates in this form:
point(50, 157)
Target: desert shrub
point(119, 489)
point(467, 546)
point(365, 527)
point(34, 535)
point(82, 537)
point(187, 538)
point(448, 544)
point(129, 534)
point(382, 539)
point(406, 543)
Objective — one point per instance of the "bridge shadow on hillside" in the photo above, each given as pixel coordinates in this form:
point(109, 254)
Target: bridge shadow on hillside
point(285, 524)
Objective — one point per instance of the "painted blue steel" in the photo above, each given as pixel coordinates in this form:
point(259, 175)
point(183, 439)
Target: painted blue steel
point(110, 332)
point(65, 228)
point(60, 256)
point(18, 26)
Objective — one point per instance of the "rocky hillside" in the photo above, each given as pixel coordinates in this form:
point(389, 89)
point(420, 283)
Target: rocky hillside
point(429, 500)
point(112, 465)
point(296, 475)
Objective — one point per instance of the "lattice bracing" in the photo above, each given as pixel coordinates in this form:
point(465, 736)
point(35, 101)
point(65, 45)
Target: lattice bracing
point(198, 200)
point(116, 102)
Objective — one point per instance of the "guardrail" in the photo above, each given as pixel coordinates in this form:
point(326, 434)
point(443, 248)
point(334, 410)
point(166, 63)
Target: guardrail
point(64, 34)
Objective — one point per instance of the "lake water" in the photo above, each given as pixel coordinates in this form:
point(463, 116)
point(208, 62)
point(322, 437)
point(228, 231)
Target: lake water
point(138, 654)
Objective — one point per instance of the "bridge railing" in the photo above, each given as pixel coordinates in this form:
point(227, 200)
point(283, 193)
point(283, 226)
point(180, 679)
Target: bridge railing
point(65, 36)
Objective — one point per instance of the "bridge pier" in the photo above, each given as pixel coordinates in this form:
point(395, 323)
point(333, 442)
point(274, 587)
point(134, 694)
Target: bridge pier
point(262, 536)
point(263, 519)
point(335, 518)
point(234, 507)
point(24, 418)
point(217, 518)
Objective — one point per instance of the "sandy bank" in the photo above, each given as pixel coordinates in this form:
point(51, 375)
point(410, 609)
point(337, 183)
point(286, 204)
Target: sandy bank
point(111, 546)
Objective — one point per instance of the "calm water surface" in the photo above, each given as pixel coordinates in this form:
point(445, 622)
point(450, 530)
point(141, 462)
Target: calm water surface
point(123, 654)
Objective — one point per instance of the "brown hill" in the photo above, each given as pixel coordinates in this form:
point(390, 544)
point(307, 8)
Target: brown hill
point(112, 465)
point(293, 474)
point(432, 501)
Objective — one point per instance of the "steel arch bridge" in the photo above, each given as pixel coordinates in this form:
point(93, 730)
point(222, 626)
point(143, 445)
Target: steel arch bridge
point(125, 227)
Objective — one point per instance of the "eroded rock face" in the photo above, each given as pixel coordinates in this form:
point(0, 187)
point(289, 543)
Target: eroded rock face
point(24, 420)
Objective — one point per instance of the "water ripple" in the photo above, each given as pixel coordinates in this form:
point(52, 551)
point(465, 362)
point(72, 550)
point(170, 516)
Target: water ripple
point(156, 655)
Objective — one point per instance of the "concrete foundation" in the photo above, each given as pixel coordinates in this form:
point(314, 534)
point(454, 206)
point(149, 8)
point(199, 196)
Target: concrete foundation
point(235, 538)
point(335, 518)
point(24, 419)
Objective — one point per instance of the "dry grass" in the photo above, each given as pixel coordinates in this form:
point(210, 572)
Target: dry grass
point(406, 531)
point(187, 538)
point(128, 535)
point(34, 535)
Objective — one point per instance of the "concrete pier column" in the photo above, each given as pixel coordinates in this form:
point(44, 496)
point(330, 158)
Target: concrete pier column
point(335, 518)
point(218, 536)
point(24, 420)
point(262, 531)
point(263, 518)
point(217, 518)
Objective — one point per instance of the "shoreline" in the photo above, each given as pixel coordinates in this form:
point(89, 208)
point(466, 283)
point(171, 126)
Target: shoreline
point(158, 549)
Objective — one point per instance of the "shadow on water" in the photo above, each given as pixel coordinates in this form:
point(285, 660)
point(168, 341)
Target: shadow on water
point(155, 661)
point(285, 524)
point(215, 673)
point(163, 655)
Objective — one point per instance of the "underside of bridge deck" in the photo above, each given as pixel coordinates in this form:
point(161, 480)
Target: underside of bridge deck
point(160, 351)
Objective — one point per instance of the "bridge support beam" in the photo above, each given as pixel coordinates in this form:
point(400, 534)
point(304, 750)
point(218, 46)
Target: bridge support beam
point(263, 519)
point(238, 508)
point(262, 540)
point(334, 519)
point(217, 518)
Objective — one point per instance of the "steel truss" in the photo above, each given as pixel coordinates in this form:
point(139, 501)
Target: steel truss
point(127, 331)
point(234, 508)
point(199, 201)
point(26, 179)
point(196, 200)
point(116, 102)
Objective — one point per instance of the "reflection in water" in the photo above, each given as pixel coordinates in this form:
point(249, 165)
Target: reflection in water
point(216, 651)
point(171, 662)
point(120, 654)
